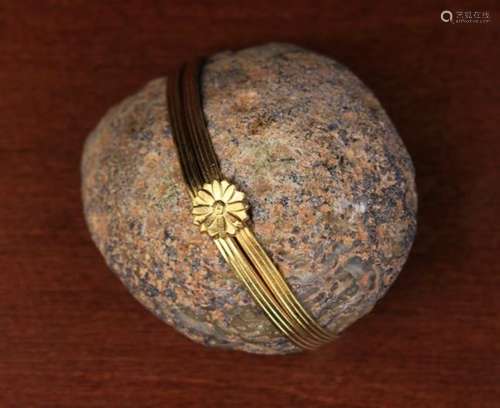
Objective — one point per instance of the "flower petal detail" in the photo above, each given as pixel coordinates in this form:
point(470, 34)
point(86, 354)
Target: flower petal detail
point(217, 190)
point(217, 227)
point(241, 215)
point(219, 209)
point(237, 196)
point(237, 206)
point(198, 219)
point(231, 219)
point(205, 197)
point(228, 193)
point(201, 209)
point(224, 184)
point(231, 229)
point(208, 187)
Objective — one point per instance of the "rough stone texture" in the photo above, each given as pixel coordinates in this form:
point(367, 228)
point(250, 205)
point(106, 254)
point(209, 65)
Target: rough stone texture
point(330, 184)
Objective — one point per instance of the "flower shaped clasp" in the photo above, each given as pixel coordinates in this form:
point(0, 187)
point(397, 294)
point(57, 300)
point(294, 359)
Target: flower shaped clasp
point(219, 209)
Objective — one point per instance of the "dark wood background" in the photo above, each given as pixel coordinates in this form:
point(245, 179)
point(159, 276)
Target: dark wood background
point(71, 335)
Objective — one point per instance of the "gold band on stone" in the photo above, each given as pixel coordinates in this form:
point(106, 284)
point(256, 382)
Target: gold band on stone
point(221, 211)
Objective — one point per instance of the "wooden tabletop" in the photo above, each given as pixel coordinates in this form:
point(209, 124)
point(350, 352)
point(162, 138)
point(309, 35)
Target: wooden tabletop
point(72, 336)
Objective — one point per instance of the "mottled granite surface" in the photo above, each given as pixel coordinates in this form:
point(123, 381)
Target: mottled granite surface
point(330, 184)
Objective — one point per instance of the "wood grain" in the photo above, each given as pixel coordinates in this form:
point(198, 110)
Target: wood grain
point(71, 335)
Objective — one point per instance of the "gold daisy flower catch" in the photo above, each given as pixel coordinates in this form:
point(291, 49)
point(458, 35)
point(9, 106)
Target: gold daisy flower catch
point(219, 209)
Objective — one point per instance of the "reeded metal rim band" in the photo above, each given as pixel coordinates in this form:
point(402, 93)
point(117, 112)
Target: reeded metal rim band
point(221, 211)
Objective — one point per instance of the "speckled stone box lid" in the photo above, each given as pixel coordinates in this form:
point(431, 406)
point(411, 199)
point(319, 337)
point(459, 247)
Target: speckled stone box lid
point(329, 181)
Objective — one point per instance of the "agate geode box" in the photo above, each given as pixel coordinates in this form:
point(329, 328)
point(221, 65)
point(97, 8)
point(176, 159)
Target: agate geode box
point(329, 181)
